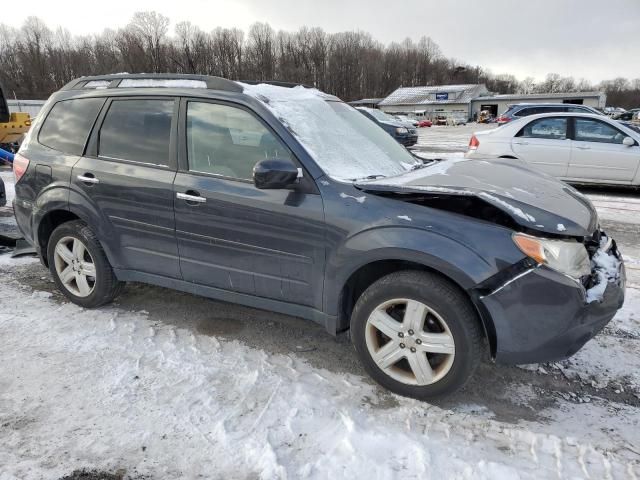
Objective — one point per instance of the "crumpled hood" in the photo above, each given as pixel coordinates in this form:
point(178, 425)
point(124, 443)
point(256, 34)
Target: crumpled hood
point(533, 199)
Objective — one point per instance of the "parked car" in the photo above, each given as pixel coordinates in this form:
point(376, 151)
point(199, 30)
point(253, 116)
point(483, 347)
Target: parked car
point(525, 109)
point(424, 123)
point(627, 116)
point(3, 194)
point(441, 120)
point(403, 133)
point(455, 121)
point(410, 122)
point(575, 147)
point(428, 265)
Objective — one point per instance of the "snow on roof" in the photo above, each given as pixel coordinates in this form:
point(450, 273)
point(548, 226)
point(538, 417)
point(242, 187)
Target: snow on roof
point(161, 82)
point(429, 94)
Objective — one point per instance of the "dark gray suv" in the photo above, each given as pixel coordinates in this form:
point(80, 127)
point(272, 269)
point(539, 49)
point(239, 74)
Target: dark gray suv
point(288, 199)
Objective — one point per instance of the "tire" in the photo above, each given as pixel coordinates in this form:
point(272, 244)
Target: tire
point(67, 268)
point(450, 336)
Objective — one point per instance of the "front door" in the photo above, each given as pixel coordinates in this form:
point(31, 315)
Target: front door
point(598, 154)
point(127, 175)
point(231, 235)
point(543, 144)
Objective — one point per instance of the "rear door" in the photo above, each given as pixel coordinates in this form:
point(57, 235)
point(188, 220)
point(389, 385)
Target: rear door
point(543, 144)
point(598, 155)
point(127, 176)
point(231, 235)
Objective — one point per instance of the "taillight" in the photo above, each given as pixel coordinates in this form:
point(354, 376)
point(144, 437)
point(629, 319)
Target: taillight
point(503, 119)
point(474, 143)
point(20, 165)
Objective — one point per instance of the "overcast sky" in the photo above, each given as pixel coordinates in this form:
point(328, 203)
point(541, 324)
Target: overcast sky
point(594, 39)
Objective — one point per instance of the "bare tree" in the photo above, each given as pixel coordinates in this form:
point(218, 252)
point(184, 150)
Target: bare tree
point(34, 61)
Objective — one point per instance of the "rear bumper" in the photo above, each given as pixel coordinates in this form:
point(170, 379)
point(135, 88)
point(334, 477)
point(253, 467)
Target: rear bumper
point(542, 316)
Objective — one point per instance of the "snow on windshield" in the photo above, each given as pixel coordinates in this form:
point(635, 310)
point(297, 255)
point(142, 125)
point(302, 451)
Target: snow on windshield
point(342, 141)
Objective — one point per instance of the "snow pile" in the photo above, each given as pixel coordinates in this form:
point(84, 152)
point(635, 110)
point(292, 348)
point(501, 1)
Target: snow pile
point(607, 268)
point(332, 132)
point(111, 389)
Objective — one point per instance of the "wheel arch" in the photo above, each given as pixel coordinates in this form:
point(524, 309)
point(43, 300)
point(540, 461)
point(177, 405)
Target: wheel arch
point(47, 224)
point(365, 275)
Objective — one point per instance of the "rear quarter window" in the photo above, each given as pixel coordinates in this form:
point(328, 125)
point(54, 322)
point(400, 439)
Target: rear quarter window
point(69, 123)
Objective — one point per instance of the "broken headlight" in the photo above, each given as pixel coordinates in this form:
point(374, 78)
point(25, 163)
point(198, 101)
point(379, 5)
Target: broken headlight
point(565, 256)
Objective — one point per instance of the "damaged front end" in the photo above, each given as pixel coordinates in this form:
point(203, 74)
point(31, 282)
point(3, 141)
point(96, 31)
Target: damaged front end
point(541, 314)
point(570, 280)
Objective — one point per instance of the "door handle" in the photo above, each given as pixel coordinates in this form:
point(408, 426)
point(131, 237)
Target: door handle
point(521, 143)
point(88, 178)
point(191, 197)
point(583, 147)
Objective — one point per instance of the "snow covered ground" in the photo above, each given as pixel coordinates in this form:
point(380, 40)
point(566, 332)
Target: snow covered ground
point(165, 385)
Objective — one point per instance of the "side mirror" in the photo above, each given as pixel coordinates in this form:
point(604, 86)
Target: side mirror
point(274, 174)
point(628, 141)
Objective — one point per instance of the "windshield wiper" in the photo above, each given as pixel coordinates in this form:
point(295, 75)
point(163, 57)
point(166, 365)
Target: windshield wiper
point(368, 177)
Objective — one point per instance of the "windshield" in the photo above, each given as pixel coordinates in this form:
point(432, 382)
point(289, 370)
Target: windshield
point(343, 142)
point(380, 115)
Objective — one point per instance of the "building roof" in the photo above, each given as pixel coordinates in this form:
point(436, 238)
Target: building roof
point(366, 101)
point(540, 96)
point(427, 95)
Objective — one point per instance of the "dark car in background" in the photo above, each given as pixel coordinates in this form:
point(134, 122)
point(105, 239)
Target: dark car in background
point(626, 116)
point(404, 133)
point(289, 200)
point(525, 109)
point(3, 194)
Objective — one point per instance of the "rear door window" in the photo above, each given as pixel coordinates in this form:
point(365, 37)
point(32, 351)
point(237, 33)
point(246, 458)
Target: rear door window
point(554, 128)
point(69, 123)
point(589, 130)
point(137, 130)
point(228, 141)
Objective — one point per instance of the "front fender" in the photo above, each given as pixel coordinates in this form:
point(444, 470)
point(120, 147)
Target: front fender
point(428, 248)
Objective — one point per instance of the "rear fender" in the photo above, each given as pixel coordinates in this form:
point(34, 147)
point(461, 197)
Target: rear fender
point(81, 205)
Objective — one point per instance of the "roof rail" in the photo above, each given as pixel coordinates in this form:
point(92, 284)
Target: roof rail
point(114, 81)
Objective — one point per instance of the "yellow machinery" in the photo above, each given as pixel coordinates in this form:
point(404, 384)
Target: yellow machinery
point(12, 125)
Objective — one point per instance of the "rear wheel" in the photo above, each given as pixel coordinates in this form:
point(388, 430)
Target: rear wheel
point(417, 334)
point(80, 267)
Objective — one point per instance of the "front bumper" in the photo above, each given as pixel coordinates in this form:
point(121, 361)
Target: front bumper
point(408, 141)
point(543, 316)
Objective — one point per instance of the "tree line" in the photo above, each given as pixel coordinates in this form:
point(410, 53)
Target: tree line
point(36, 60)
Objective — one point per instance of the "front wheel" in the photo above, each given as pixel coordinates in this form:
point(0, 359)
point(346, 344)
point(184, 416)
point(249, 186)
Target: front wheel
point(417, 335)
point(80, 267)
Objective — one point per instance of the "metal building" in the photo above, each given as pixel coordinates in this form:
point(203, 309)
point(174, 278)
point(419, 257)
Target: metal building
point(430, 102)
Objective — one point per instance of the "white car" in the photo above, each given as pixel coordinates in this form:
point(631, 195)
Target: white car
point(576, 147)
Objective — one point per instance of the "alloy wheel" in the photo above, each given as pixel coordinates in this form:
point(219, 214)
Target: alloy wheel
point(410, 342)
point(74, 266)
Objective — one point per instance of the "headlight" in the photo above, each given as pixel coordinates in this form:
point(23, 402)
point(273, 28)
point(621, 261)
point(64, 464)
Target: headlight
point(402, 131)
point(570, 258)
